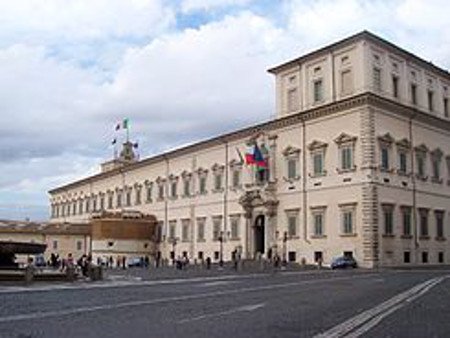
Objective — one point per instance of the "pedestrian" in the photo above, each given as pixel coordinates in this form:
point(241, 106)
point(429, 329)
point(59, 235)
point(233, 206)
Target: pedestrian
point(208, 263)
point(235, 259)
point(158, 259)
point(276, 261)
point(124, 261)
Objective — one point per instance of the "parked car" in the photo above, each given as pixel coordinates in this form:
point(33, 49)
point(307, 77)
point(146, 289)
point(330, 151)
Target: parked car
point(135, 261)
point(39, 260)
point(343, 262)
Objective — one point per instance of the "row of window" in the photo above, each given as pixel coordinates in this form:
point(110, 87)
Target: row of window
point(79, 245)
point(406, 222)
point(413, 90)
point(346, 149)
point(424, 257)
point(169, 187)
point(346, 144)
point(346, 87)
point(292, 225)
point(318, 221)
point(124, 197)
point(421, 157)
point(317, 85)
point(217, 233)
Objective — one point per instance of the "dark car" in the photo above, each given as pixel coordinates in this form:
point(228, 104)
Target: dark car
point(39, 260)
point(343, 262)
point(135, 262)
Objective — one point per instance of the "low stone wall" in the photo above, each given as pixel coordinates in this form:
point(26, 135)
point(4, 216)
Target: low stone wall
point(31, 274)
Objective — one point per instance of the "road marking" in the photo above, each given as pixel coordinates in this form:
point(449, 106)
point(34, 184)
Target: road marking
point(245, 308)
point(363, 322)
point(218, 283)
point(88, 309)
point(123, 278)
point(126, 283)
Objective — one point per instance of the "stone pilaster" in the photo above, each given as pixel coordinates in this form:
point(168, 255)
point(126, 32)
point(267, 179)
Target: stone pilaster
point(369, 193)
point(273, 158)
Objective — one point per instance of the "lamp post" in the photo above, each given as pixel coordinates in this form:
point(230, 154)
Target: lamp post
point(221, 249)
point(276, 247)
point(174, 246)
point(161, 257)
point(285, 238)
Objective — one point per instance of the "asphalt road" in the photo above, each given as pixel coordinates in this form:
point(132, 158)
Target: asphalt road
point(284, 304)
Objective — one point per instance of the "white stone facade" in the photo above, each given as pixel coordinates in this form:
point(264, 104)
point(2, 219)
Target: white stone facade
point(359, 163)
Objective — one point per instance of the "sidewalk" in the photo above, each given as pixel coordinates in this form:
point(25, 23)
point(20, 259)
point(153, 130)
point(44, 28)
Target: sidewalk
point(192, 271)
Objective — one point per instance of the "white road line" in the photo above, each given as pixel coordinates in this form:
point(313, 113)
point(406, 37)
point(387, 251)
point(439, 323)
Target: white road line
point(125, 283)
point(245, 308)
point(88, 309)
point(218, 283)
point(361, 323)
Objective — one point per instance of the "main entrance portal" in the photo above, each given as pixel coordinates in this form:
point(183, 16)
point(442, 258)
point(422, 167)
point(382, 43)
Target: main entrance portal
point(259, 234)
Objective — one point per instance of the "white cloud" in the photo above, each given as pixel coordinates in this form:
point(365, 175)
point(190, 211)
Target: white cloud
point(176, 86)
point(217, 70)
point(83, 19)
point(188, 6)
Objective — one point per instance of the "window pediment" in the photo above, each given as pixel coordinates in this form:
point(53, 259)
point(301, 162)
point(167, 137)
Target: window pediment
point(186, 175)
point(217, 167)
point(404, 143)
point(202, 171)
point(437, 153)
point(345, 138)
point(421, 148)
point(160, 180)
point(173, 177)
point(316, 145)
point(386, 139)
point(291, 151)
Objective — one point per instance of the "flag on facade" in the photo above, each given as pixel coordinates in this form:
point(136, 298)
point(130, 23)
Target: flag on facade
point(125, 123)
point(260, 161)
point(249, 155)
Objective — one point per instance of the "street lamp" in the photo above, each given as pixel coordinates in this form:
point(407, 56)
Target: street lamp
point(285, 238)
point(174, 245)
point(221, 249)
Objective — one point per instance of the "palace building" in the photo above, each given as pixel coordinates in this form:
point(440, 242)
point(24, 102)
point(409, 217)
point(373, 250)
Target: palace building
point(356, 162)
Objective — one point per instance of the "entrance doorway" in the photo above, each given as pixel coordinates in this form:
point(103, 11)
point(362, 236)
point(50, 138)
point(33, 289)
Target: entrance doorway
point(259, 230)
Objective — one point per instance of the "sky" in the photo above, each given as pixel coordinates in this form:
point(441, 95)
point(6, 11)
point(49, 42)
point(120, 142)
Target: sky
point(181, 71)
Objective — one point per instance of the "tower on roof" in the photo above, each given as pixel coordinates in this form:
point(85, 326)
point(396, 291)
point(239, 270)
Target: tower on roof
point(127, 156)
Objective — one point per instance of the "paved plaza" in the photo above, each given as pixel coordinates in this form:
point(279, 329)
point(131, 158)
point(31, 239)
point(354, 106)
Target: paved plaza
point(223, 303)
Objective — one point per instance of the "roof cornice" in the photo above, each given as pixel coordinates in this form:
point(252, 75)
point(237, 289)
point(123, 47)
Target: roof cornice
point(325, 110)
point(368, 36)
